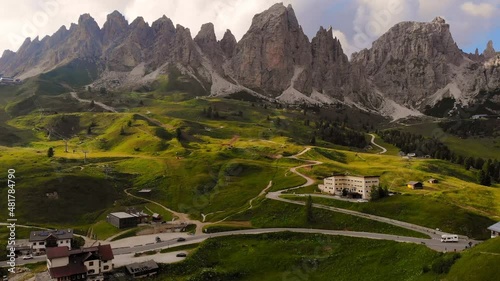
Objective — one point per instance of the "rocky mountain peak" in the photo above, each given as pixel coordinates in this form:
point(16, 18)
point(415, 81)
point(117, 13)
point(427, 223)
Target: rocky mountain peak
point(206, 34)
point(439, 20)
point(114, 27)
point(228, 43)
point(489, 52)
point(88, 25)
point(163, 26)
point(8, 53)
point(139, 21)
point(330, 66)
point(274, 54)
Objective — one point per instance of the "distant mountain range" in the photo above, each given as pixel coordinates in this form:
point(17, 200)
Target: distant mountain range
point(414, 69)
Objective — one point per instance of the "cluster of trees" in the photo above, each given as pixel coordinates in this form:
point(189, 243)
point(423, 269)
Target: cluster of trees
point(379, 192)
point(212, 113)
point(337, 134)
point(487, 170)
point(418, 144)
point(468, 128)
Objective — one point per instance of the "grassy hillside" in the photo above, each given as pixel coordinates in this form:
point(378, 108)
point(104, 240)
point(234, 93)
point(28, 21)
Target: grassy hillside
point(279, 214)
point(420, 210)
point(288, 256)
point(484, 147)
point(479, 263)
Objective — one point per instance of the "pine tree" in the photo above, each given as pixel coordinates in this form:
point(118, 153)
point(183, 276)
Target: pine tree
point(50, 152)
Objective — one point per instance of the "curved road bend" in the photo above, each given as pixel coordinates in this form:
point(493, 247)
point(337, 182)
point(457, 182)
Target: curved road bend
point(431, 243)
point(384, 150)
point(276, 196)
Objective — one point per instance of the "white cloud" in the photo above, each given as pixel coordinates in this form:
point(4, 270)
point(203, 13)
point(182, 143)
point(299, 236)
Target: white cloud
point(485, 10)
point(374, 17)
point(346, 45)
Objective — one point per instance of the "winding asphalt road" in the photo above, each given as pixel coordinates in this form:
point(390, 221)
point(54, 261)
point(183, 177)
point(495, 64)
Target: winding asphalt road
point(433, 243)
point(384, 150)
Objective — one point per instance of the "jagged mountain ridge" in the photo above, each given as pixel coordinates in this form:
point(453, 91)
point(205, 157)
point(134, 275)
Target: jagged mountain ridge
point(410, 68)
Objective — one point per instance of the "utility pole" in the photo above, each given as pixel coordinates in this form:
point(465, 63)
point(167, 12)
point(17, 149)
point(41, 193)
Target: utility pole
point(85, 157)
point(66, 143)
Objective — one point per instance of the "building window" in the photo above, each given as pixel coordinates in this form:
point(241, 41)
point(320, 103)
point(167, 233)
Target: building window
point(106, 267)
point(41, 243)
point(91, 263)
point(91, 271)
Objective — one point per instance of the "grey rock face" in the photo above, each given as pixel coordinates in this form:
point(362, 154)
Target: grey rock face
point(489, 52)
point(208, 44)
point(411, 61)
point(228, 44)
point(266, 57)
point(331, 71)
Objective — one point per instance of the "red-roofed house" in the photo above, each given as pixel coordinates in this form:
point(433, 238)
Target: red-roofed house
point(80, 264)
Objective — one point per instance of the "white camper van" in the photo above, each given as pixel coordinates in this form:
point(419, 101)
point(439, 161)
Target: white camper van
point(449, 238)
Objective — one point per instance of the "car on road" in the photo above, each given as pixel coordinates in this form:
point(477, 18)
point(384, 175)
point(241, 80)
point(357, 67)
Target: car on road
point(28, 257)
point(181, 255)
point(180, 239)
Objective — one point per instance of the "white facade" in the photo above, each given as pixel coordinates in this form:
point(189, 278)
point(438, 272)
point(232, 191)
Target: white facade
point(57, 262)
point(358, 184)
point(37, 246)
point(495, 230)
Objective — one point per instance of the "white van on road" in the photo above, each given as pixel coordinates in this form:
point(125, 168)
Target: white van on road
point(449, 238)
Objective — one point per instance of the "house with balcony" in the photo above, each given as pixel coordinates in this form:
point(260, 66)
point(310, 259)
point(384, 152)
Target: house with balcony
point(41, 240)
point(82, 264)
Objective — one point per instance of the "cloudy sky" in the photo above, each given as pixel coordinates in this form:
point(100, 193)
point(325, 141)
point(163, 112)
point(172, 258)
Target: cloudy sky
point(356, 22)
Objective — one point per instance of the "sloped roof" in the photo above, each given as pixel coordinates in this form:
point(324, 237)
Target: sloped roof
point(57, 252)
point(495, 227)
point(44, 234)
point(106, 252)
point(141, 266)
point(414, 182)
point(68, 270)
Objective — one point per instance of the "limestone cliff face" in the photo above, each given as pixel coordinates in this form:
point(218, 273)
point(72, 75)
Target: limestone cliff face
point(267, 56)
point(207, 41)
point(331, 71)
point(413, 66)
point(228, 44)
point(411, 61)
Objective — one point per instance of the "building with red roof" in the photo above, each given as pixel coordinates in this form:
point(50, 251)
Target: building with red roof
point(80, 264)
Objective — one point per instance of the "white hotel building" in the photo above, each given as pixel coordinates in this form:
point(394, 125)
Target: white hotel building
point(353, 184)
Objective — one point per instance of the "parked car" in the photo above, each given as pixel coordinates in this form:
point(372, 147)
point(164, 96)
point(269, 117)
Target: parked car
point(180, 239)
point(181, 255)
point(28, 257)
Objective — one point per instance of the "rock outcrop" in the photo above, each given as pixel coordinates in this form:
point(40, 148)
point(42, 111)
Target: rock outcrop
point(489, 52)
point(411, 61)
point(228, 44)
point(331, 71)
point(207, 41)
point(268, 55)
point(411, 67)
